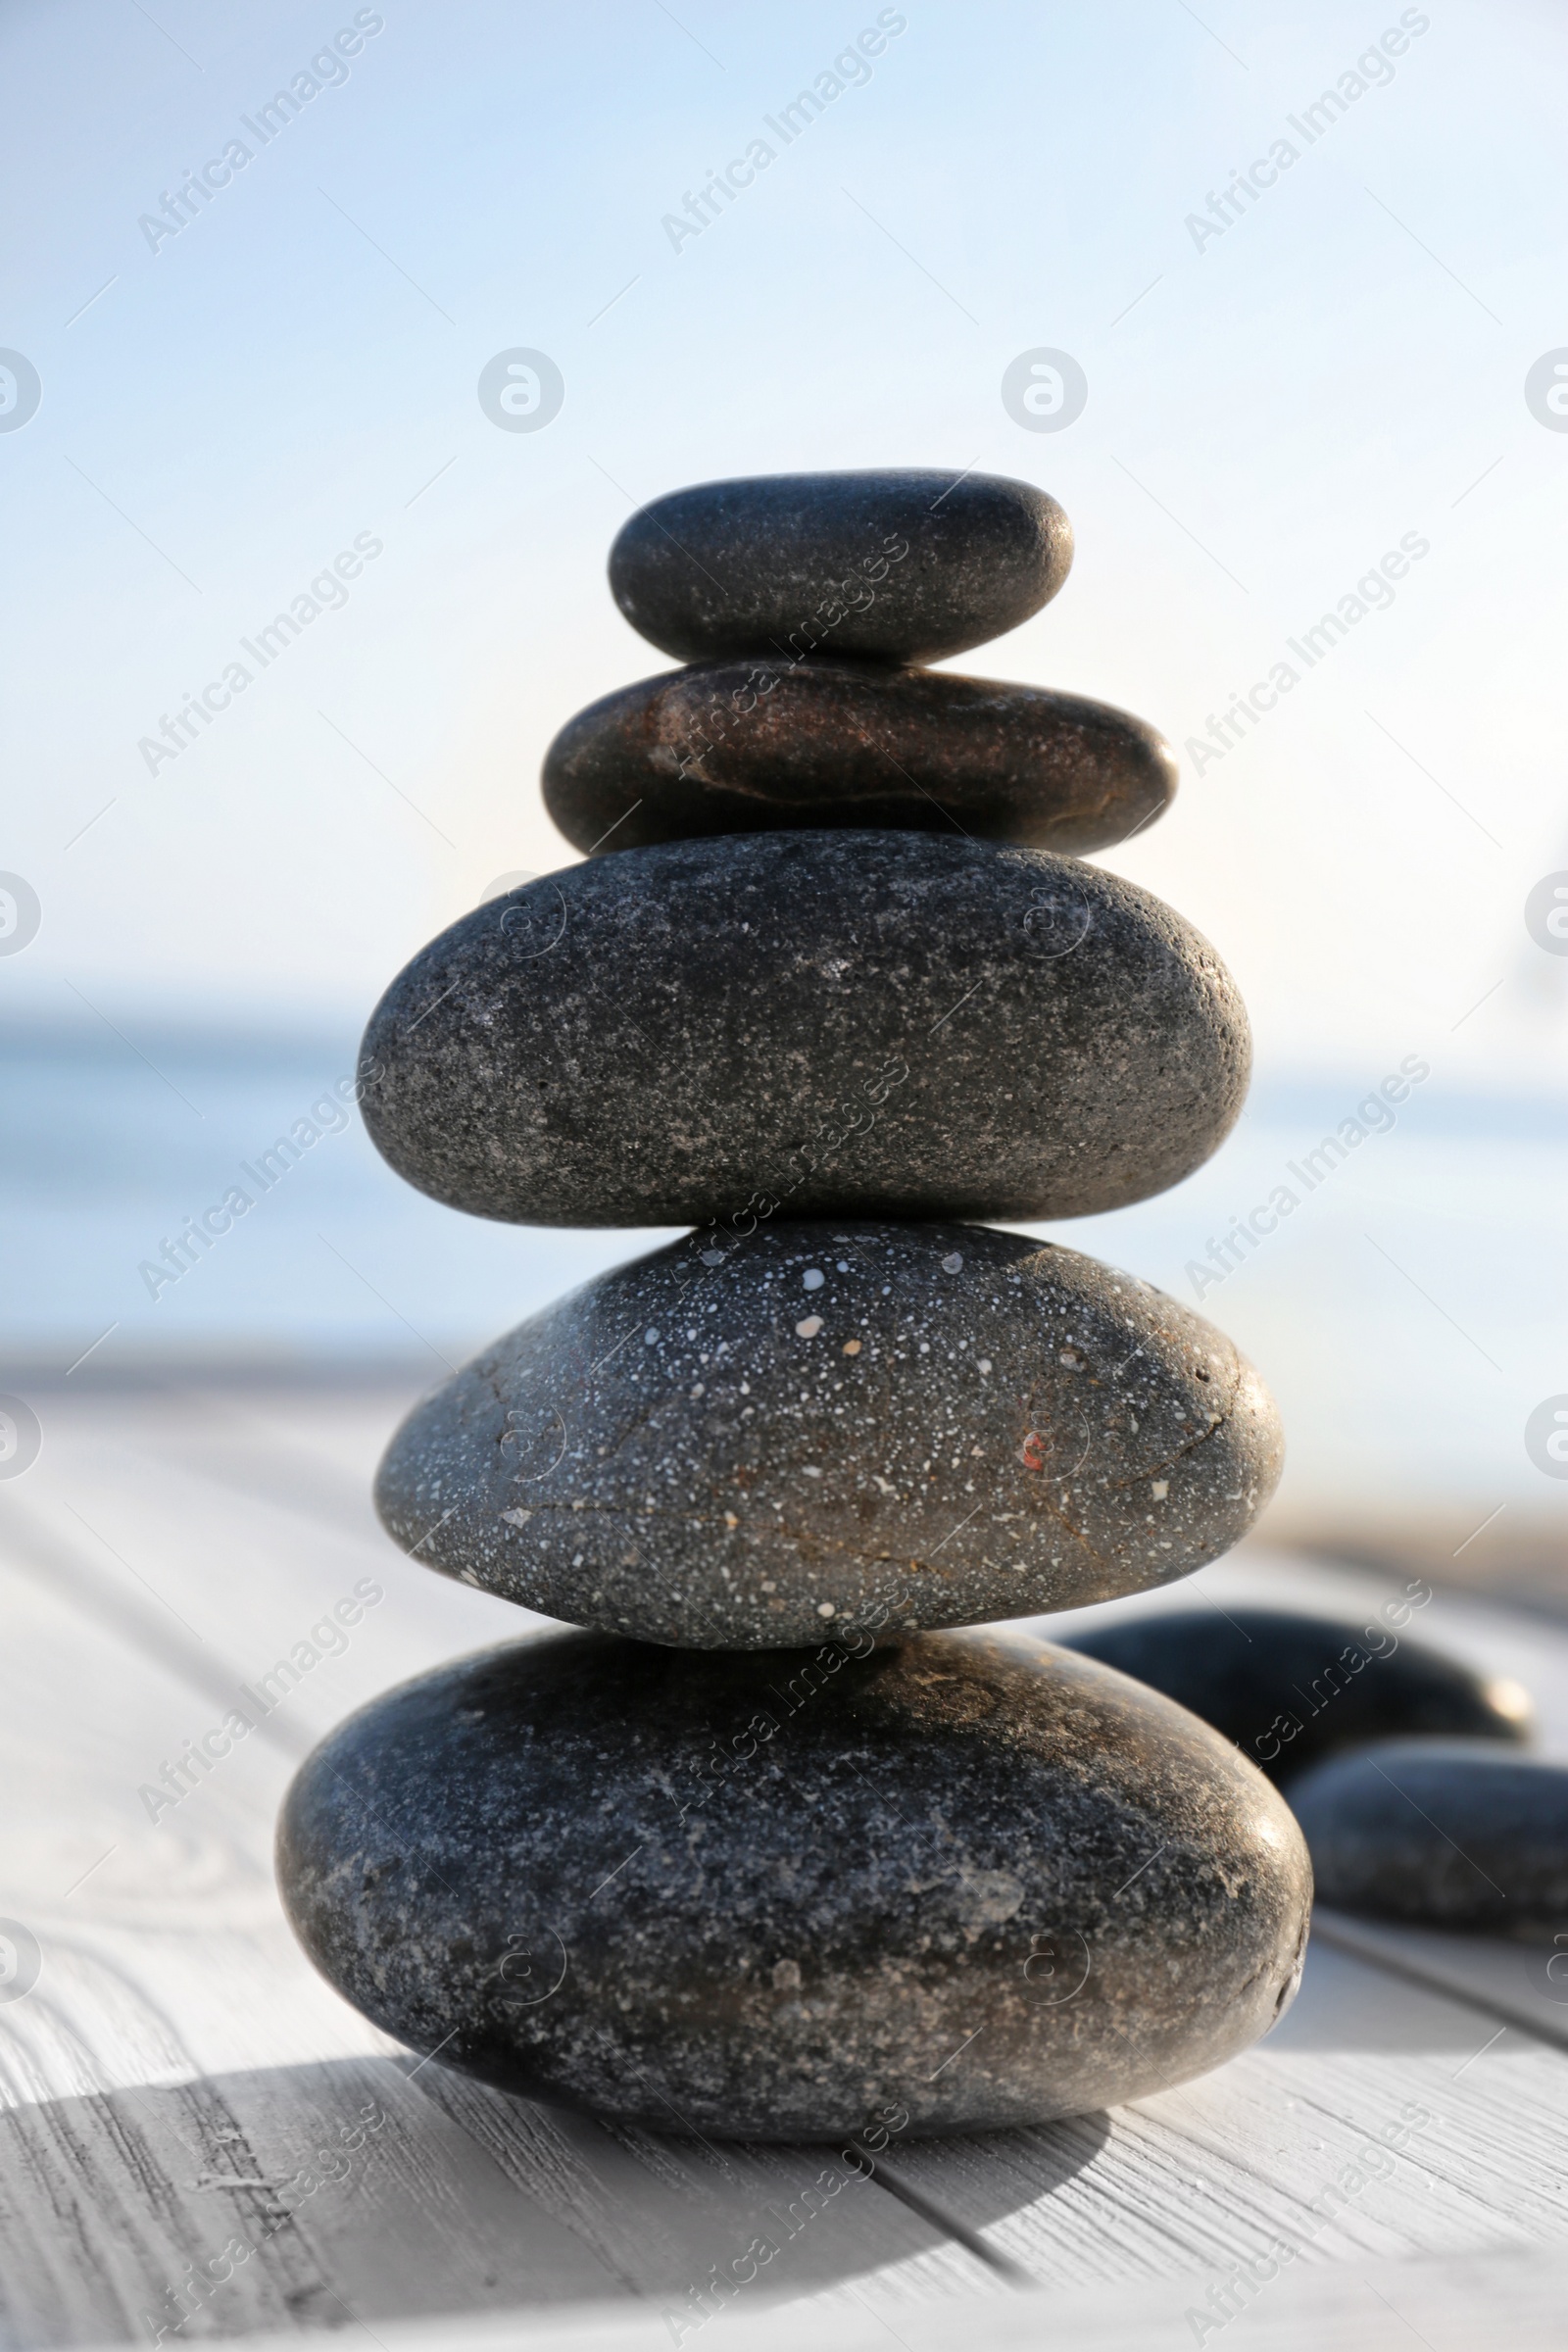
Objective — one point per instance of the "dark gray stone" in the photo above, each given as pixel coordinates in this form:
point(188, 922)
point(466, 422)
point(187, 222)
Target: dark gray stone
point(1290, 1688)
point(839, 1023)
point(735, 747)
point(900, 566)
point(739, 1446)
point(956, 1881)
point(1451, 1832)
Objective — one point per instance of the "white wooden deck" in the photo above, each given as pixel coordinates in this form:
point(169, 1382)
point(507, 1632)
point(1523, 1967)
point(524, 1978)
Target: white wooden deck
point(177, 2082)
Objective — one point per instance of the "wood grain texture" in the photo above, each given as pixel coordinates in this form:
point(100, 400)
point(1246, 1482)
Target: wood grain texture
point(1292, 2141)
point(177, 2082)
point(176, 2088)
point(1524, 1986)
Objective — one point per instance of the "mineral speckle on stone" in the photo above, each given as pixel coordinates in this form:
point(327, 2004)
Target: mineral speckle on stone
point(856, 1023)
point(1456, 1833)
point(762, 1896)
point(1291, 1688)
point(900, 566)
point(867, 1424)
point(746, 747)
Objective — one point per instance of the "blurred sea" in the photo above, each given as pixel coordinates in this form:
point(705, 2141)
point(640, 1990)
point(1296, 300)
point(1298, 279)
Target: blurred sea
point(1410, 1314)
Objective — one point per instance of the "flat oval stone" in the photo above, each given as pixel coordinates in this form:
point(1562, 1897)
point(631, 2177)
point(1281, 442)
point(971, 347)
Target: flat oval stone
point(1291, 1688)
point(952, 1884)
point(903, 565)
point(836, 1023)
point(856, 1425)
point(737, 748)
point(1451, 1832)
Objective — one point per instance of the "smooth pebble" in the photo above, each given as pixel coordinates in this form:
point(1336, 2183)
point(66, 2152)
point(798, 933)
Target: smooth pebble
point(765, 1898)
point(746, 747)
point(898, 564)
point(1451, 1834)
point(834, 1023)
point(933, 1445)
point(1291, 1688)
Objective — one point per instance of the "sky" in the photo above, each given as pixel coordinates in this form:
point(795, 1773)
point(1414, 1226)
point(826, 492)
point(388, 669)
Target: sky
point(1286, 382)
point(1273, 405)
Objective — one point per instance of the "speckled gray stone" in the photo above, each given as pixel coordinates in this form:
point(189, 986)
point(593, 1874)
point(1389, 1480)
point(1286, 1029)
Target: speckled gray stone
point(741, 748)
point(901, 566)
point(850, 1023)
point(1291, 1688)
point(756, 1897)
point(734, 1445)
point(1459, 1833)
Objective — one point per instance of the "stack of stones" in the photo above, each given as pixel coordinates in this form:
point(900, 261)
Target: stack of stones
point(763, 1851)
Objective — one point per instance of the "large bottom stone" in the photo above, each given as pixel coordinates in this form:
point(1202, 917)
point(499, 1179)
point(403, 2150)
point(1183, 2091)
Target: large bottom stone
point(1453, 1834)
point(972, 1883)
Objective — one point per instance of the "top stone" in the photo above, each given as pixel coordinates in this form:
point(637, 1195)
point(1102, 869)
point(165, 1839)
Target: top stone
point(896, 565)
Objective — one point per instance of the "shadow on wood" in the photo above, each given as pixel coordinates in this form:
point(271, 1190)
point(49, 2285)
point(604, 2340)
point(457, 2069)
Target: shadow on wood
point(311, 2196)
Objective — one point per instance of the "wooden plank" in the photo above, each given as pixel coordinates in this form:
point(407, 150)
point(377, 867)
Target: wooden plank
point(671, 2212)
point(249, 1559)
point(77, 1565)
point(260, 2199)
point(125, 2146)
point(108, 2067)
point(177, 2060)
point(1275, 2146)
point(178, 2064)
point(382, 2186)
point(1524, 1985)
